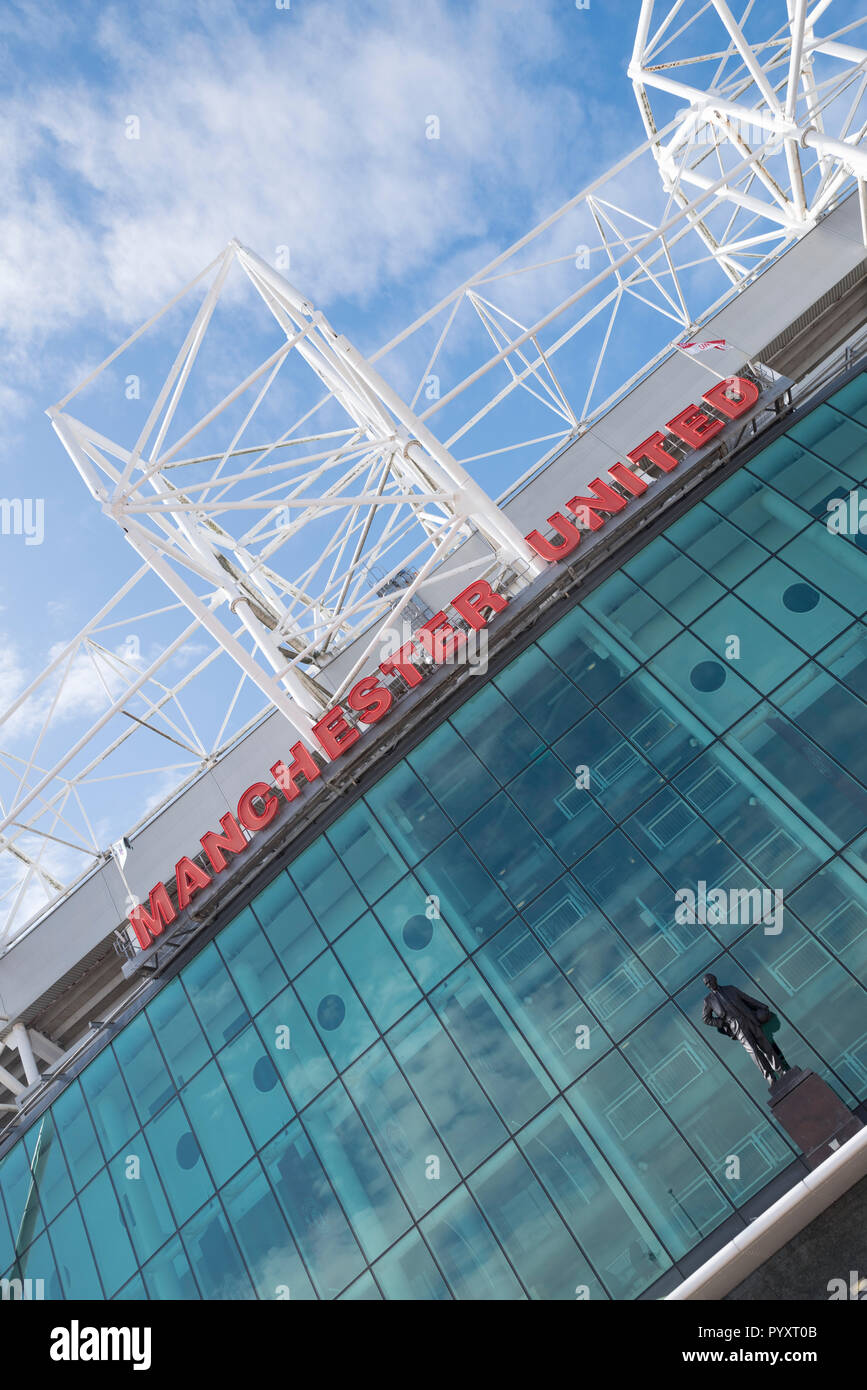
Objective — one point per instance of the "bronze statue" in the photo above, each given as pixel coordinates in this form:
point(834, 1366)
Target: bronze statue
point(739, 1016)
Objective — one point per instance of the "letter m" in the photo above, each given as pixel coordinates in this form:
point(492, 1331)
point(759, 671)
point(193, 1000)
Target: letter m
point(148, 922)
point(10, 510)
point(746, 905)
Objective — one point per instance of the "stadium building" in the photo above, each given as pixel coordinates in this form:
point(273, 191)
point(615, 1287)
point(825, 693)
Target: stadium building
point(404, 1003)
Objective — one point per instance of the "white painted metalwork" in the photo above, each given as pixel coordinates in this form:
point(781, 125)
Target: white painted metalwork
point(293, 495)
point(745, 86)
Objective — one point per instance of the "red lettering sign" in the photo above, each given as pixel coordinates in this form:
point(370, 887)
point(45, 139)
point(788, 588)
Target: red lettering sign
point(369, 698)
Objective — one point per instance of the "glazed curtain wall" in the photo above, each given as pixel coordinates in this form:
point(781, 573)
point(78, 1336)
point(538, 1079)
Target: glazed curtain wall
point(454, 1050)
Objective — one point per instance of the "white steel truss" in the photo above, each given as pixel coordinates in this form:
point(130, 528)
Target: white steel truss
point(296, 502)
point(745, 87)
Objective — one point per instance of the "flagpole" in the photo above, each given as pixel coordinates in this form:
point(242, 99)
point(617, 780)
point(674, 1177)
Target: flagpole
point(720, 376)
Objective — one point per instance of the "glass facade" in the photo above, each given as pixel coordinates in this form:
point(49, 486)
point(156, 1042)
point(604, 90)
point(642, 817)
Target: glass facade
point(454, 1049)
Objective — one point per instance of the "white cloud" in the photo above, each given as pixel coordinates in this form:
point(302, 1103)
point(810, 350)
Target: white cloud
point(312, 135)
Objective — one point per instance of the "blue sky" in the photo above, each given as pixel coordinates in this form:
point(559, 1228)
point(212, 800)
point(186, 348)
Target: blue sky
point(302, 127)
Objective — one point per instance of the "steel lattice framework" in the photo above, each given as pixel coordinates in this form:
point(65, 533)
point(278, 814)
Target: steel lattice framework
point(745, 88)
point(300, 507)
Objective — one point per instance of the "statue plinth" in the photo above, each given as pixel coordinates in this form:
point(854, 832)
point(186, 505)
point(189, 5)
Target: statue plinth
point(812, 1114)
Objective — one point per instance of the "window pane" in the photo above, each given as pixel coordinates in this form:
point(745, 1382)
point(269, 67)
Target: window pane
point(466, 1252)
point(642, 906)
point(555, 1019)
point(408, 1272)
point(73, 1257)
point(497, 1055)
point(619, 777)
point(224, 1141)
point(660, 726)
point(530, 1230)
point(214, 997)
point(496, 733)
point(109, 1102)
point(418, 925)
point(604, 1219)
point(762, 513)
point(558, 807)
point(797, 608)
point(168, 1275)
point(48, 1166)
point(142, 1201)
point(540, 692)
point(632, 615)
point(757, 825)
point(801, 773)
point(296, 1052)
point(833, 436)
point(467, 897)
point(446, 1088)
point(832, 564)
point(108, 1233)
point(251, 962)
point(764, 657)
point(289, 924)
point(335, 1010)
point(214, 1256)
point(178, 1157)
point(266, 1243)
point(673, 580)
point(654, 1161)
point(77, 1135)
point(179, 1032)
point(143, 1067)
point(588, 654)
point(135, 1290)
point(367, 852)
point(377, 971)
point(37, 1262)
point(363, 1290)
point(596, 961)
point(689, 852)
point(833, 904)
point(453, 774)
point(329, 891)
point(321, 1231)
point(405, 806)
point(403, 1133)
point(255, 1086)
point(519, 860)
point(798, 474)
point(359, 1177)
point(702, 680)
point(713, 542)
point(21, 1197)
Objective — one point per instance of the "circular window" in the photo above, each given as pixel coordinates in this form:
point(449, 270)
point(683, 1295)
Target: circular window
point(264, 1075)
point(707, 675)
point(800, 598)
point(331, 1012)
point(187, 1151)
point(417, 933)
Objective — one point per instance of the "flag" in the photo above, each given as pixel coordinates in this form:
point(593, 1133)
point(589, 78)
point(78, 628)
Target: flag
point(693, 347)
